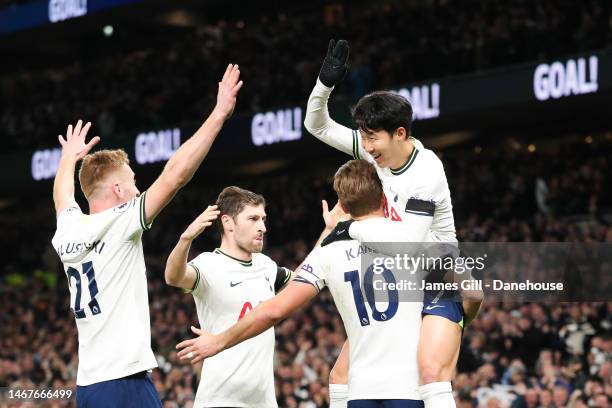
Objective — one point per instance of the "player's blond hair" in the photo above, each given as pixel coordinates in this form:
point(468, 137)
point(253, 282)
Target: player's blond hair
point(232, 200)
point(358, 187)
point(96, 166)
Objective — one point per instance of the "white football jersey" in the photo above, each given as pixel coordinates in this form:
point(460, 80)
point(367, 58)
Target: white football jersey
point(225, 290)
point(419, 187)
point(104, 263)
point(383, 336)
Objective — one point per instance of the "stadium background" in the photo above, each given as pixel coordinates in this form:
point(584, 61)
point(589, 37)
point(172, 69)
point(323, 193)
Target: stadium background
point(521, 167)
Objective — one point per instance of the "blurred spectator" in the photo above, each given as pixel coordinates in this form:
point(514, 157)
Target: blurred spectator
point(393, 42)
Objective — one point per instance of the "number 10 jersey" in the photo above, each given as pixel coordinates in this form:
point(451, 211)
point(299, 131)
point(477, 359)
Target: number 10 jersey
point(383, 335)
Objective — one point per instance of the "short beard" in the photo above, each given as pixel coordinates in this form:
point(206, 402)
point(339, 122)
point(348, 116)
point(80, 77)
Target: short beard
point(253, 250)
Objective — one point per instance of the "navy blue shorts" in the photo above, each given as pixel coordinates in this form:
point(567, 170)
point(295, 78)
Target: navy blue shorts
point(386, 403)
point(446, 308)
point(134, 391)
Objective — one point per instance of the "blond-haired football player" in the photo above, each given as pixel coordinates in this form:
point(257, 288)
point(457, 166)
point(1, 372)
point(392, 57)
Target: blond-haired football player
point(103, 256)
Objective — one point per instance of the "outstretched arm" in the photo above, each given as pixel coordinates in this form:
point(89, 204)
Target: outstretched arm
point(74, 149)
point(260, 319)
point(183, 164)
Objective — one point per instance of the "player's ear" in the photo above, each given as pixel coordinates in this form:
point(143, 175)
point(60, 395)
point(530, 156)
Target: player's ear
point(116, 189)
point(401, 133)
point(227, 222)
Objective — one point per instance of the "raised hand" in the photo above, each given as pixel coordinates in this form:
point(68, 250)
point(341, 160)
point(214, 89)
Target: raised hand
point(335, 64)
point(198, 349)
point(228, 90)
point(199, 224)
point(74, 146)
point(331, 218)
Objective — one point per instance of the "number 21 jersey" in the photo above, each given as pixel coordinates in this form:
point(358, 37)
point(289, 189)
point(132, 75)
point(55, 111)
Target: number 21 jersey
point(104, 263)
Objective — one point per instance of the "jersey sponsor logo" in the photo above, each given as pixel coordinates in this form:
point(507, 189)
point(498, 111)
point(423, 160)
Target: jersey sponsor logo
point(432, 307)
point(246, 307)
point(76, 247)
point(307, 268)
point(232, 284)
point(391, 214)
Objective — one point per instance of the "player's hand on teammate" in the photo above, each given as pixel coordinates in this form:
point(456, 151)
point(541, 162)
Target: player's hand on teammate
point(196, 350)
point(335, 64)
point(228, 90)
point(339, 233)
point(199, 224)
point(334, 216)
point(73, 145)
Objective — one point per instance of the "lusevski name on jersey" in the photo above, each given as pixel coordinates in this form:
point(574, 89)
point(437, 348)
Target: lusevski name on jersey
point(383, 335)
point(226, 289)
point(104, 263)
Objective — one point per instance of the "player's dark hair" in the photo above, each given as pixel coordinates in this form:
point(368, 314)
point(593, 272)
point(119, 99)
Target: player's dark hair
point(232, 200)
point(383, 110)
point(358, 187)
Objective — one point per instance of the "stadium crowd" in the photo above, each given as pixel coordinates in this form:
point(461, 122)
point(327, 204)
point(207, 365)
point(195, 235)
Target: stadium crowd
point(514, 355)
point(397, 42)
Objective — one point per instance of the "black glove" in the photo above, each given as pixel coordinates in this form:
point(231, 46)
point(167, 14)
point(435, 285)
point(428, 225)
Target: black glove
point(340, 233)
point(335, 63)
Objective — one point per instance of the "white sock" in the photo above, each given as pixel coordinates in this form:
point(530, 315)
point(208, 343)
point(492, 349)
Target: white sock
point(338, 395)
point(437, 395)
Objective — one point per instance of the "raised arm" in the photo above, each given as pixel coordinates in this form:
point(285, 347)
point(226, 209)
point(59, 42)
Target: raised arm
point(264, 316)
point(74, 149)
point(318, 121)
point(183, 164)
point(178, 273)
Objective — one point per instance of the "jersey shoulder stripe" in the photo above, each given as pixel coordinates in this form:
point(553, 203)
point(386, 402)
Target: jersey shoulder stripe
point(197, 280)
point(143, 218)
